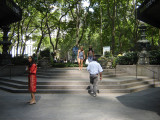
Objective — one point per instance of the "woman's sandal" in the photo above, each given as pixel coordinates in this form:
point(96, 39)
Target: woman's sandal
point(31, 103)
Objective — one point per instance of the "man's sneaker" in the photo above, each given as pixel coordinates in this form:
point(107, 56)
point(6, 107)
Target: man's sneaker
point(88, 88)
point(92, 92)
point(97, 91)
point(94, 95)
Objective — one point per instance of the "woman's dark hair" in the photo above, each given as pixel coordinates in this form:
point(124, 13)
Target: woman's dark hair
point(90, 49)
point(30, 63)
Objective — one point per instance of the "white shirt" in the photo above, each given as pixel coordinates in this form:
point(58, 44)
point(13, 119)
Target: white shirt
point(94, 68)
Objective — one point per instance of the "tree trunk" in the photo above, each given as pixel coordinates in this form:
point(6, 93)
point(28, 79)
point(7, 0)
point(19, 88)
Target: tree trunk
point(112, 18)
point(113, 28)
point(83, 29)
point(135, 34)
point(39, 44)
point(159, 39)
point(50, 38)
point(101, 40)
point(21, 39)
point(77, 24)
point(57, 37)
point(18, 40)
point(42, 33)
point(24, 46)
point(26, 36)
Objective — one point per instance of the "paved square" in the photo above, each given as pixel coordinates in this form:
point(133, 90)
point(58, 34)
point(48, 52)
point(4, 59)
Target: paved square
point(144, 105)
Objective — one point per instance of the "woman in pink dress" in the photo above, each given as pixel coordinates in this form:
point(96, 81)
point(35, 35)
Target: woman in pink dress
point(32, 80)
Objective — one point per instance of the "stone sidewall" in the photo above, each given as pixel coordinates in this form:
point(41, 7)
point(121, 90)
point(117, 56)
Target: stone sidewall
point(15, 70)
point(142, 70)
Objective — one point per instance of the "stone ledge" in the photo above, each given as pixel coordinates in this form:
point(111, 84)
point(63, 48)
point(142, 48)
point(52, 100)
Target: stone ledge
point(142, 70)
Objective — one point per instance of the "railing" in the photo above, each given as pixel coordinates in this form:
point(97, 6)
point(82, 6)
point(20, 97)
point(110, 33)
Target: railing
point(154, 72)
point(115, 70)
point(10, 69)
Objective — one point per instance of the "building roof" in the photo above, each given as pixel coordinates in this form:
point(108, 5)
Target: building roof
point(10, 12)
point(149, 12)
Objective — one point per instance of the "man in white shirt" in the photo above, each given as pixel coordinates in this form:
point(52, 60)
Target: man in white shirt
point(94, 69)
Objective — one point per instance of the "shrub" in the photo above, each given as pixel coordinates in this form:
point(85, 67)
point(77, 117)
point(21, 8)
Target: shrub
point(154, 57)
point(45, 53)
point(61, 65)
point(114, 62)
point(102, 58)
point(129, 58)
point(19, 60)
point(108, 54)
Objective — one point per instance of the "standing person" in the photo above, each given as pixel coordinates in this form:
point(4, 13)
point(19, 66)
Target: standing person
point(90, 54)
point(94, 69)
point(80, 57)
point(32, 80)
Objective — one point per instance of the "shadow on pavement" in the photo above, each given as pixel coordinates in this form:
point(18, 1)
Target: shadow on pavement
point(145, 100)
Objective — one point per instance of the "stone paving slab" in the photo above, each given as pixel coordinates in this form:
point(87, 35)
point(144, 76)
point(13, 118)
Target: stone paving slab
point(144, 105)
point(119, 78)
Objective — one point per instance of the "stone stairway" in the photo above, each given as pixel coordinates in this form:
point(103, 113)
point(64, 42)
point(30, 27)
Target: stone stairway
point(71, 80)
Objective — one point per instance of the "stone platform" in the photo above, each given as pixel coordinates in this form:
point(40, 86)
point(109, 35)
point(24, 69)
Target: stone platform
point(142, 105)
point(71, 80)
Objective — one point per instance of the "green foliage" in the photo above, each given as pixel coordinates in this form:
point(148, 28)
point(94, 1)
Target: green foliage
point(114, 62)
point(66, 65)
point(108, 54)
point(110, 23)
point(45, 53)
point(19, 60)
point(102, 58)
point(129, 58)
point(154, 57)
point(1, 48)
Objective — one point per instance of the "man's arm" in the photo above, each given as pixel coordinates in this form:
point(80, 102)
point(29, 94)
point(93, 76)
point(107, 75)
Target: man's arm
point(100, 74)
point(100, 71)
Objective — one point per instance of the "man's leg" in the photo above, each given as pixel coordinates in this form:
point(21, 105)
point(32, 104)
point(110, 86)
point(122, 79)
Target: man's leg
point(95, 84)
point(91, 83)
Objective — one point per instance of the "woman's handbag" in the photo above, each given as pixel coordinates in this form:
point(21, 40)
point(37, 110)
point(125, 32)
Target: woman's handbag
point(87, 62)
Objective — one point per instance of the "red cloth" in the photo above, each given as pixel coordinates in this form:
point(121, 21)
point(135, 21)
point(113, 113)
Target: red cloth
point(33, 69)
point(32, 79)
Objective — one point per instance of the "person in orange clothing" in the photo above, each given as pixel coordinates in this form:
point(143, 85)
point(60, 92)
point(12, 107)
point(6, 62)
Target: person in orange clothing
point(32, 79)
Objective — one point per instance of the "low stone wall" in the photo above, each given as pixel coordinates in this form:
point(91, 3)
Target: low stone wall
point(15, 70)
point(142, 70)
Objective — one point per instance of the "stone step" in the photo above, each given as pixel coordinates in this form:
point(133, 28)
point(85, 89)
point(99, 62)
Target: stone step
point(78, 85)
point(126, 82)
point(55, 91)
point(77, 91)
point(13, 90)
point(74, 76)
point(65, 71)
point(71, 77)
point(76, 71)
point(75, 81)
point(66, 81)
point(71, 74)
point(141, 87)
